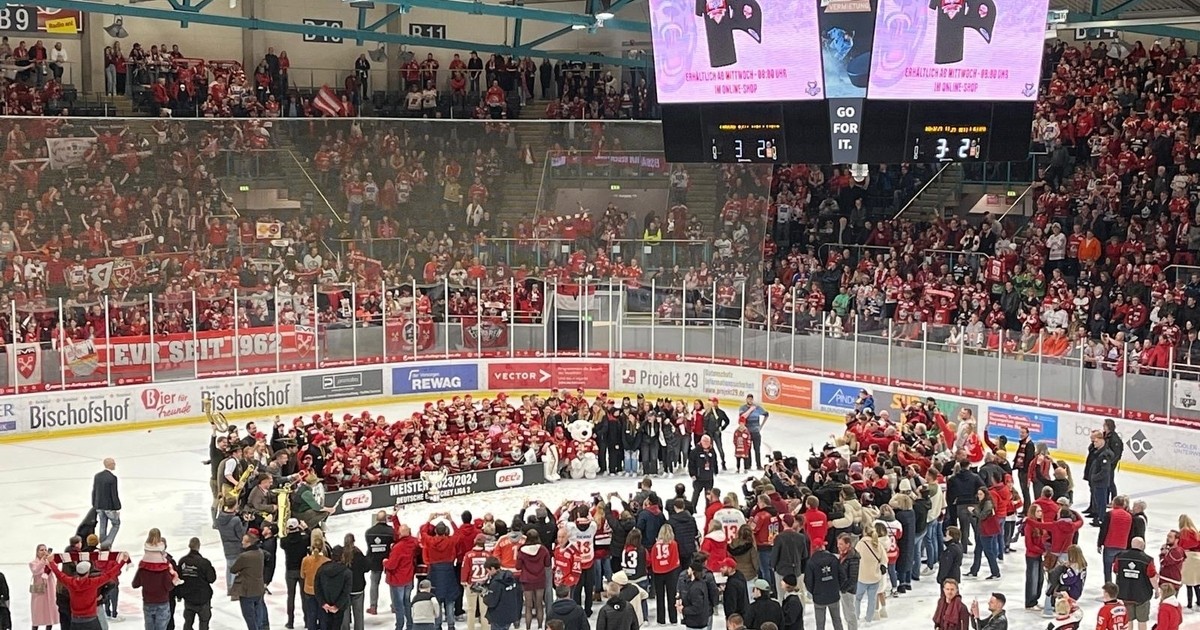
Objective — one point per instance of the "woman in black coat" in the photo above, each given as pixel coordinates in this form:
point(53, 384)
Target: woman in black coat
point(650, 441)
point(631, 440)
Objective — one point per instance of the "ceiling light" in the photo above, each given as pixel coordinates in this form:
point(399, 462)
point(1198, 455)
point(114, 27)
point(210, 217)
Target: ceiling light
point(379, 54)
point(578, 27)
point(605, 15)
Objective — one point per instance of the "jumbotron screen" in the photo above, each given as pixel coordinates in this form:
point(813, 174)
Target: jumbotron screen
point(984, 50)
point(711, 51)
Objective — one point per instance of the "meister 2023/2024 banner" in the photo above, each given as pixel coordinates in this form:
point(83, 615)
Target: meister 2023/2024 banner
point(710, 51)
point(985, 50)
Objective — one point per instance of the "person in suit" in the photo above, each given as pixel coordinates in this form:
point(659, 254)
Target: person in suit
point(106, 500)
point(248, 588)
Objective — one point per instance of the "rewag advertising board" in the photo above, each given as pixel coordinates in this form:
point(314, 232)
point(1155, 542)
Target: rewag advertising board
point(708, 51)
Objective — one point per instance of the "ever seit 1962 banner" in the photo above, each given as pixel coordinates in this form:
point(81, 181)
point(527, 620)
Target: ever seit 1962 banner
point(710, 51)
point(985, 50)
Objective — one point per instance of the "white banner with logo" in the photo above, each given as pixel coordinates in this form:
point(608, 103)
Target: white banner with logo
point(1185, 394)
point(66, 152)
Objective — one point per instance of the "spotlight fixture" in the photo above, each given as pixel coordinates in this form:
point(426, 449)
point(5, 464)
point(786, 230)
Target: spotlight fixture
point(379, 54)
point(117, 29)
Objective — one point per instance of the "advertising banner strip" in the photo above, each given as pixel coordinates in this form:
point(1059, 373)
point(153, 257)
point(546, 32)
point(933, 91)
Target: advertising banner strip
point(356, 384)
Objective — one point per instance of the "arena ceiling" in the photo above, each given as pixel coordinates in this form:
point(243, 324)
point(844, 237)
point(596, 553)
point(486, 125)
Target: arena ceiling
point(1154, 18)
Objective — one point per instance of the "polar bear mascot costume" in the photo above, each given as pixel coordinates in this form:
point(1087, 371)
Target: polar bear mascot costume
point(584, 464)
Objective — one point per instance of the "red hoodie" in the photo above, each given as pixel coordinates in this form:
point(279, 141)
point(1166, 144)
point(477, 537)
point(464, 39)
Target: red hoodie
point(437, 549)
point(401, 564)
point(1062, 531)
point(532, 561)
point(85, 590)
point(1035, 541)
point(1049, 509)
point(464, 539)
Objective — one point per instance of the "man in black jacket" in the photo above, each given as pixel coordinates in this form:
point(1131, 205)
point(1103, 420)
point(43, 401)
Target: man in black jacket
point(295, 546)
point(1099, 474)
point(789, 553)
point(686, 532)
point(735, 599)
point(822, 578)
point(764, 608)
point(106, 500)
point(1022, 459)
point(1136, 581)
point(567, 611)
point(702, 467)
point(503, 596)
point(1113, 440)
point(332, 589)
point(198, 576)
point(961, 495)
point(848, 561)
point(379, 545)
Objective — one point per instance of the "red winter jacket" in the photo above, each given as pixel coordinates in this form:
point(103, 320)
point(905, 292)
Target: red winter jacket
point(1170, 614)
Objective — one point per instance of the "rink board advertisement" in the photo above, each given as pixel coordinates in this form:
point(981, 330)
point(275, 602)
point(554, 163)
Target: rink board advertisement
point(356, 384)
point(1006, 421)
point(1159, 446)
point(434, 379)
point(417, 490)
point(838, 397)
point(896, 402)
point(681, 379)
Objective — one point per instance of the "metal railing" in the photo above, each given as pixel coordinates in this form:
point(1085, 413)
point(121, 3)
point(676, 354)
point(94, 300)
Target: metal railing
point(344, 324)
point(540, 252)
point(1007, 174)
point(922, 189)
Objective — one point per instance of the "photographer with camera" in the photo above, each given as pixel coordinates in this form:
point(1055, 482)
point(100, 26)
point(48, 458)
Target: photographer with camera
point(502, 596)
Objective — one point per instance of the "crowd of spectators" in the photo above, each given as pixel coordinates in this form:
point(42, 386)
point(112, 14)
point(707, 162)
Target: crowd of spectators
point(1095, 274)
point(163, 81)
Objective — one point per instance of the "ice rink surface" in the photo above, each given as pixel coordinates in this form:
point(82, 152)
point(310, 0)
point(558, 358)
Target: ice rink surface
point(47, 484)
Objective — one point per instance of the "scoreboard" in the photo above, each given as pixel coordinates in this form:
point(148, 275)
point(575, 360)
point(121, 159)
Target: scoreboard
point(847, 81)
